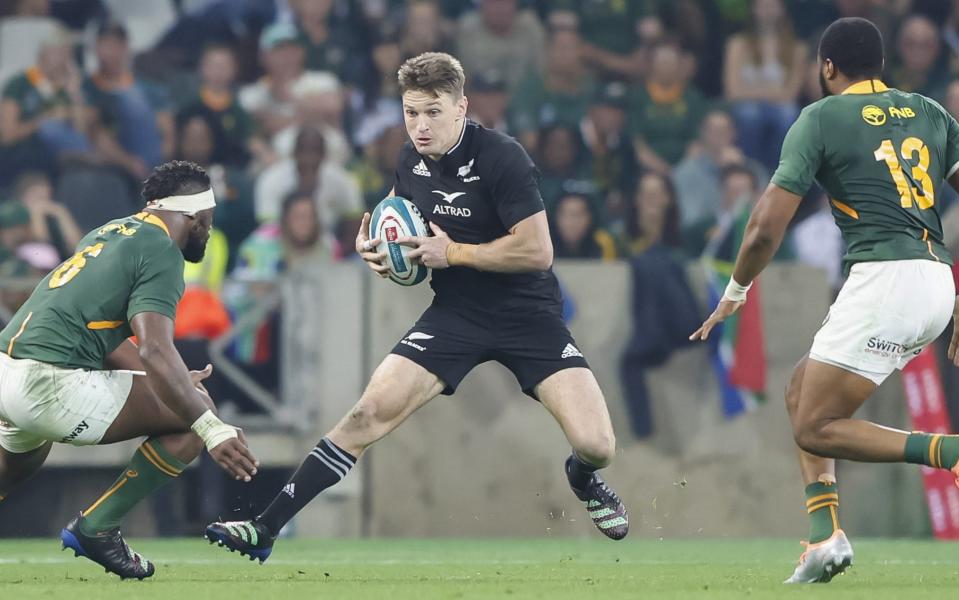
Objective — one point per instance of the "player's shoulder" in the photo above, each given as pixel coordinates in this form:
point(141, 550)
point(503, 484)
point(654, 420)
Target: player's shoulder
point(141, 237)
point(493, 146)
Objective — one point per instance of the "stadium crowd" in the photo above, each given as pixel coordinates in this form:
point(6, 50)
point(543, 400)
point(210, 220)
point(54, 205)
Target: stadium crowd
point(655, 123)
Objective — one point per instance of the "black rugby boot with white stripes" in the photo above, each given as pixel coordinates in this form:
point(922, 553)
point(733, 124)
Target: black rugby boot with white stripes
point(249, 538)
point(107, 549)
point(602, 505)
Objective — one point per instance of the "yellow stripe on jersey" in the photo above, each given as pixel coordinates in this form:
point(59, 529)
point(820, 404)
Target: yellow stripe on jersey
point(19, 333)
point(869, 86)
point(104, 324)
point(155, 220)
point(842, 206)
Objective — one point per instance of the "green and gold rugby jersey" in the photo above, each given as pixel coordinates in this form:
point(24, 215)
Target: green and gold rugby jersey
point(881, 155)
point(81, 311)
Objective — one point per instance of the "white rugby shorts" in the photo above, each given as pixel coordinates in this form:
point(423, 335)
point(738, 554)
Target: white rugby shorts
point(886, 312)
point(42, 403)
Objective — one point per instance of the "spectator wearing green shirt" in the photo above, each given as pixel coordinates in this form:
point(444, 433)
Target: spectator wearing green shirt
point(667, 110)
point(609, 157)
point(560, 94)
point(501, 36)
point(329, 41)
point(42, 112)
point(216, 102)
point(563, 169)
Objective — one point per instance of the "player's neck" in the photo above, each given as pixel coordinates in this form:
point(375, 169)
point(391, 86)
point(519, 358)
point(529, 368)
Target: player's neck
point(452, 143)
point(174, 222)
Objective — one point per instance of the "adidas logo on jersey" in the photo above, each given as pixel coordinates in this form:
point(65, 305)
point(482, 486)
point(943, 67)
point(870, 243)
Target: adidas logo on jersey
point(570, 351)
point(289, 489)
point(421, 169)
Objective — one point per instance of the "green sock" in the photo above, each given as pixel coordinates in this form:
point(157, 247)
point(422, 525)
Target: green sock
point(932, 449)
point(822, 503)
point(150, 468)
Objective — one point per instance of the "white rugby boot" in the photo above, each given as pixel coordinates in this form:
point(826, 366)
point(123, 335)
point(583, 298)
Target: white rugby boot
point(824, 560)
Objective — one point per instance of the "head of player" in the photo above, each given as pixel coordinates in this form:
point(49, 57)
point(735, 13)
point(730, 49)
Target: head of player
point(434, 106)
point(179, 193)
point(850, 50)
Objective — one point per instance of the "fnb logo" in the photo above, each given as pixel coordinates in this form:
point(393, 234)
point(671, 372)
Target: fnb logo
point(391, 234)
point(902, 113)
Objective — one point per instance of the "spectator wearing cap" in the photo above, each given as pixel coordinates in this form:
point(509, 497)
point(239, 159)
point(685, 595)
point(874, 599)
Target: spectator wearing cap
point(270, 100)
point(609, 154)
point(50, 222)
point(42, 111)
point(375, 169)
point(376, 103)
point(667, 110)
point(310, 171)
point(488, 100)
point(133, 124)
point(318, 101)
point(216, 102)
point(500, 36)
point(329, 42)
point(15, 227)
point(560, 94)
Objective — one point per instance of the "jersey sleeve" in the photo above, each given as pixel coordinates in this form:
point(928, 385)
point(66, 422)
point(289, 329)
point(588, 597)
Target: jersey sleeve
point(802, 153)
point(514, 184)
point(158, 283)
point(952, 145)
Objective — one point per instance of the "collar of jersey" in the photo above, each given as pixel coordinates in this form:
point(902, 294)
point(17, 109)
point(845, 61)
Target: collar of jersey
point(453, 159)
point(869, 86)
point(153, 219)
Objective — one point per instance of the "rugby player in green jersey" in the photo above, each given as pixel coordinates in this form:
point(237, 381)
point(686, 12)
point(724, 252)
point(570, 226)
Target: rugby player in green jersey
point(67, 366)
point(881, 155)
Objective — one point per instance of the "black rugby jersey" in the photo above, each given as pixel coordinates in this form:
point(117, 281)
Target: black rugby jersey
point(476, 193)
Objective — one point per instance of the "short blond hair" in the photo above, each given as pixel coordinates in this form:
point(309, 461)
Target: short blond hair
point(434, 73)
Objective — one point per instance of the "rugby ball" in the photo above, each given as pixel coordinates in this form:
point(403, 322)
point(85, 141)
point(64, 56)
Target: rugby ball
point(394, 218)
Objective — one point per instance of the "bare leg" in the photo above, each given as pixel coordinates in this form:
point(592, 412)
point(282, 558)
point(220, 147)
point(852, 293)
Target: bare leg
point(17, 468)
point(574, 399)
point(814, 468)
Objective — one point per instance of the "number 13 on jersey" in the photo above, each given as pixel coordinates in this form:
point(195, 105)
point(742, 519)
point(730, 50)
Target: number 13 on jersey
point(911, 146)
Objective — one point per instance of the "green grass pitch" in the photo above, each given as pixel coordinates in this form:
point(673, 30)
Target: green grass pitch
point(489, 568)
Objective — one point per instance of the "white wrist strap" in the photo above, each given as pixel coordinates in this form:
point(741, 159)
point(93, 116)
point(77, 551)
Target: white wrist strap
point(212, 430)
point(736, 292)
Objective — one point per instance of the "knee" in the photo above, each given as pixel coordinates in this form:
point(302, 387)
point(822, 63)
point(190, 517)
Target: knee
point(811, 437)
point(598, 449)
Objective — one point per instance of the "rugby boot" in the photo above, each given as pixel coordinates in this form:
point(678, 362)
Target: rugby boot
point(249, 538)
point(107, 549)
point(822, 561)
point(603, 506)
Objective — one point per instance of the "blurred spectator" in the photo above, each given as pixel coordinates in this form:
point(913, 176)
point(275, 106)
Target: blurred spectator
point(216, 102)
point(375, 170)
point(330, 44)
point(500, 36)
point(234, 215)
point(424, 30)
point(50, 221)
point(309, 172)
point(667, 112)
point(697, 177)
point(652, 215)
point(270, 100)
point(318, 102)
point(575, 232)
point(612, 30)
point(610, 156)
point(818, 242)
point(560, 94)
point(41, 111)
point(377, 102)
point(764, 71)
point(488, 99)
point(917, 67)
point(15, 229)
point(563, 170)
point(952, 98)
point(133, 128)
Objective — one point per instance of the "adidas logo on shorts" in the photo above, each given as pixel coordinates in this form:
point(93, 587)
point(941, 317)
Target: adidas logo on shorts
point(570, 351)
point(289, 489)
point(421, 169)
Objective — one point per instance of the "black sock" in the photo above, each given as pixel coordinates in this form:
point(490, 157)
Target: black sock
point(325, 466)
point(578, 472)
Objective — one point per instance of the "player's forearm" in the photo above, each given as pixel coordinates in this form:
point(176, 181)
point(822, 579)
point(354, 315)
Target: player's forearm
point(169, 377)
point(509, 254)
point(759, 246)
